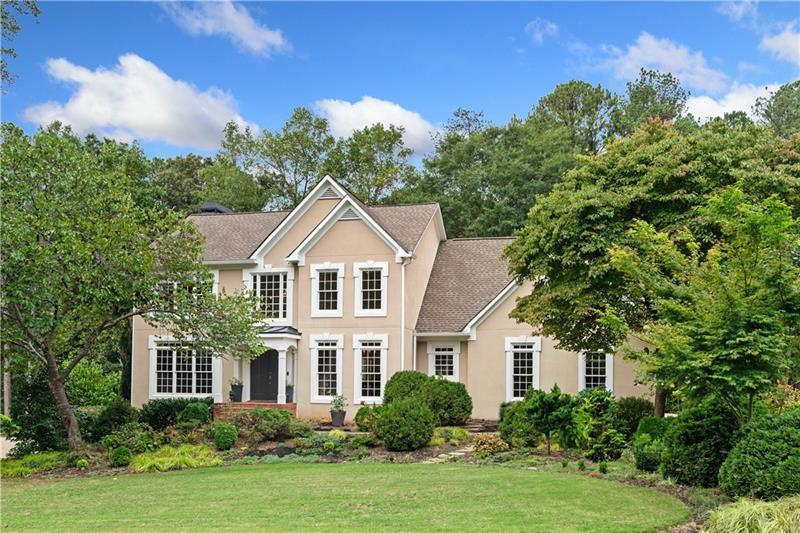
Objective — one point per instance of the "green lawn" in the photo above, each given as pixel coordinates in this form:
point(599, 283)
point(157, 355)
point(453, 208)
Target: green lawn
point(289, 497)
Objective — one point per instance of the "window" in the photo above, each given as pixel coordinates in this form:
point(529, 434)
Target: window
point(522, 365)
point(326, 289)
point(182, 371)
point(370, 367)
point(326, 367)
point(596, 371)
point(271, 290)
point(443, 360)
point(371, 288)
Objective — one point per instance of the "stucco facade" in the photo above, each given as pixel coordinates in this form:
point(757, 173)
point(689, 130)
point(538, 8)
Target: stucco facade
point(356, 293)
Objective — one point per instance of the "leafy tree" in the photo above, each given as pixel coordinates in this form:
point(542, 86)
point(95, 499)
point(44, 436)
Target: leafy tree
point(179, 182)
point(549, 411)
point(781, 109)
point(231, 187)
point(652, 96)
point(585, 111)
point(10, 28)
point(286, 163)
point(82, 257)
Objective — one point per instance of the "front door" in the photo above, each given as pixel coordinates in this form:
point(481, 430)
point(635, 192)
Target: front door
point(264, 377)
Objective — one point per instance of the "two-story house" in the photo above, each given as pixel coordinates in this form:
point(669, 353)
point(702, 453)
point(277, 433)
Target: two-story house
point(353, 293)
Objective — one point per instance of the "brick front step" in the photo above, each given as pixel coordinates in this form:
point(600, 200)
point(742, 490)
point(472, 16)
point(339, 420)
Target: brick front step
point(225, 410)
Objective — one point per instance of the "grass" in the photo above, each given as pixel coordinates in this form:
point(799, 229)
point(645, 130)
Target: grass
point(29, 464)
point(348, 496)
point(745, 516)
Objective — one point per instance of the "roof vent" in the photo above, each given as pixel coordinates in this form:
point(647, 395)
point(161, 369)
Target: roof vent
point(214, 207)
point(329, 193)
point(349, 215)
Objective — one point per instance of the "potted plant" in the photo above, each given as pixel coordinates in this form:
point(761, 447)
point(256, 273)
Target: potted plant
point(236, 390)
point(338, 404)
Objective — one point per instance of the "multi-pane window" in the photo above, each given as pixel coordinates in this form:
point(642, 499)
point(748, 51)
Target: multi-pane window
point(371, 369)
point(328, 290)
point(271, 294)
point(523, 368)
point(443, 361)
point(595, 370)
point(181, 370)
point(371, 289)
point(327, 354)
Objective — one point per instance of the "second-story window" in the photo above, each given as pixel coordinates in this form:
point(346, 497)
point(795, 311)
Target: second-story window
point(371, 288)
point(271, 291)
point(326, 289)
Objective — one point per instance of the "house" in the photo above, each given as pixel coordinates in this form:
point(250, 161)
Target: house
point(353, 293)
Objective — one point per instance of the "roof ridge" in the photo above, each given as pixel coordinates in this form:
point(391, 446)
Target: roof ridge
point(402, 205)
point(480, 238)
point(239, 213)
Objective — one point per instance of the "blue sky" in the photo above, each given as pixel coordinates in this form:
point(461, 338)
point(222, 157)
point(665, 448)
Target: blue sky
point(171, 75)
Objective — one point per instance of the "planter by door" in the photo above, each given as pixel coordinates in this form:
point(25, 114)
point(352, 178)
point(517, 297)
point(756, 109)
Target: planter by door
point(337, 418)
point(236, 393)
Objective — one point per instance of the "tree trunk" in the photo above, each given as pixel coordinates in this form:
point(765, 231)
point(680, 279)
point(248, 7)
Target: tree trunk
point(547, 440)
point(660, 402)
point(6, 384)
point(59, 393)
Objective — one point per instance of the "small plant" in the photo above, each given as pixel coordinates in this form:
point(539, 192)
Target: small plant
point(780, 516)
point(362, 441)
point(236, 381)
point(82, 464)
point(329, 446)
point(28, 464)
point(171, 458)
point(338, 403)
point(603, 467)
point(581, 465)
point(487, 444)
point(564, 463)
point(225, 435)
point(7, 427)
point(300, 429)
point(436, 441)
point(121, 457)
point(454, 436)
point(337, 434)
point(195, 412)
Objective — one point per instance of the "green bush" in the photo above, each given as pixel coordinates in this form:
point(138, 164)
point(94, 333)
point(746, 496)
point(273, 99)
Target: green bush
point(603, 467)
point(263, 425)
point(362, 441)
point(406, 424)
point(115, 415)
point(28, 464)
point(367, 418)
point(454, 436)
point(608, 446)
point(225, 435)
point(171, 458)
point(449, 400)
point(92, 383)
point(647, 452)
point(82, 464)
point(195, 412)
point(121, 457)
point(765, 463)
point(653, 426)
point(35, 412)
point(487, 444)
point(300, 429)
point(403, 385)
point(781, 516)
point(135, 436)
point(7, 427)
point(630, 411)
point(161, 413)
point(516, 427)
point(697, 443)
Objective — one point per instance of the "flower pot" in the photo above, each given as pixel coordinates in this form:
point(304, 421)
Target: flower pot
point(337, 418)
point(236, 393)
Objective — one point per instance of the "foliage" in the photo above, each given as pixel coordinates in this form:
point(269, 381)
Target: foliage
point(338, 403)
point(603, 467)
point(647, 443)
point(225, 435)
point(337, 434)
point(765, 463)
point(404, 384)
point(697, 443)
point(548, 412)
point(745, 515)
point(363, 441)
point(652, 96)
point(597, 415)
point(781, 109)
point(608, 446)
point(517, 428)
point(171, 458)
point(450, 402)
point(654, 426)
point(115, 415)
point(33, 409)
point(178, 181)
point(161, 413)
point(630, 411)
point(406, 424)
point(454, 436)
point(28, 464)
point(783, 398)
point(487, 444)
point(367, 418)
point(263, 425)
point(120, 457)
point(8, 428)
point(134, 436)
point(82, 464)
point(300, 429)
point(231, 187)
point(10, 28)
point(195, 411)
point(93, 383)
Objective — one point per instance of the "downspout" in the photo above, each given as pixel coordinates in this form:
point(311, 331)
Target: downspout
point(403, 315)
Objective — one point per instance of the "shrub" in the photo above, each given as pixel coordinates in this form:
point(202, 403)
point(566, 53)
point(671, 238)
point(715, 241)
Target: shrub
point(300, 429)
point(487, 444)
point(92, 383)
point(608, 446)
point(162, 413)
point(765, 463)
point(225, 435)
point(362, 441)
point(696, 444)
point(406, 424)
point(603, 467)
point(581, 465)
point(137, 437)
point(35, 412)
point(82, 464)
point(783, 398)
point(630, 411)
point(516, 427)
point(87, 420)
point(26, 465)
point(781, 516)
point(367, 418)
point(548, 411)
point(121, 456)
point(195, 412)
point(454, 436)
point(337, 434)
point(115, 415)
point(653, 426)
point(262, 425)
point(172, 458)
point(404, 384)
point(449, 400)
point(647, 452)
point(7, 427)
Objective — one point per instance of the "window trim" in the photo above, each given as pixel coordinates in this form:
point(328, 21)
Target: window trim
point(314, 271)
point(537, 353)
point(384, 349)
point(609, 372)
point(153, 343)
point(358, 268)
point(247, 282)
point(456, 347)
point(314, 340)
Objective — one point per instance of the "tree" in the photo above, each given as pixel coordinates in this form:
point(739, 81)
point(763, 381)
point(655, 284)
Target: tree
point(586, 111)
point(10, 28)
point(781, 109)
point(652, 96)
point(178, 181)
point(549, 411)
point(82, 256)
point(729, 319)
point(231, 187)
point(287, 163)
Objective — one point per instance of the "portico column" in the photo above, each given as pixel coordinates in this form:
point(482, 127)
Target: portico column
point(281, 376)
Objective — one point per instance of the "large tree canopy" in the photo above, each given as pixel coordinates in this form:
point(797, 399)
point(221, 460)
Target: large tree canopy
point(781, 109)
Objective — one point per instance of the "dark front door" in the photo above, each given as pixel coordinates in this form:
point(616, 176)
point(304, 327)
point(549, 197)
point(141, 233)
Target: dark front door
point(264, 377)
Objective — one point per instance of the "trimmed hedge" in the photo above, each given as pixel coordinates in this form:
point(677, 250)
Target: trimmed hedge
point(765, 463)
point(406, 424)
point(404, 384)
point(162, 413)
point(225, 435)
point(121, 457)
point(195, 412)
point(449, 400)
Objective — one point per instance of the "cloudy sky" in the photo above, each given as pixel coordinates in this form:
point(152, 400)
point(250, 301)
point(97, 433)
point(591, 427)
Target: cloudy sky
point(170, 75)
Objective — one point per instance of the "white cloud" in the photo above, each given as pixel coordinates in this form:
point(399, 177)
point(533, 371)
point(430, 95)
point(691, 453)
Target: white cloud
point(739, 9)
point(137, 100)
point(740, 97)
point(784, 45)
point(667, 56)
point(346, 117)
point(229, 20)
point(540, 28)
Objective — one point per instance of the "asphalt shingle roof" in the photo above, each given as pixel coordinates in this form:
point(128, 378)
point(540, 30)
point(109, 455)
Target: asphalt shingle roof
point(235, 236)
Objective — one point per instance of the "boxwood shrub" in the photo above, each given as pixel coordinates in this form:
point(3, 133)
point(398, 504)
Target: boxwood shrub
point(161, 413)
point(647, 442)
point(404, 384)
point(121, 456)
point(225, 435)
point(195, 412)
point(449, 400)
point(406, 424)
point(765, 463)
point(113, 416)
point(367, 418)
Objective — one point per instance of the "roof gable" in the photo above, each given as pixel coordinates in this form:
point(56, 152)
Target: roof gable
point(235, 236)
